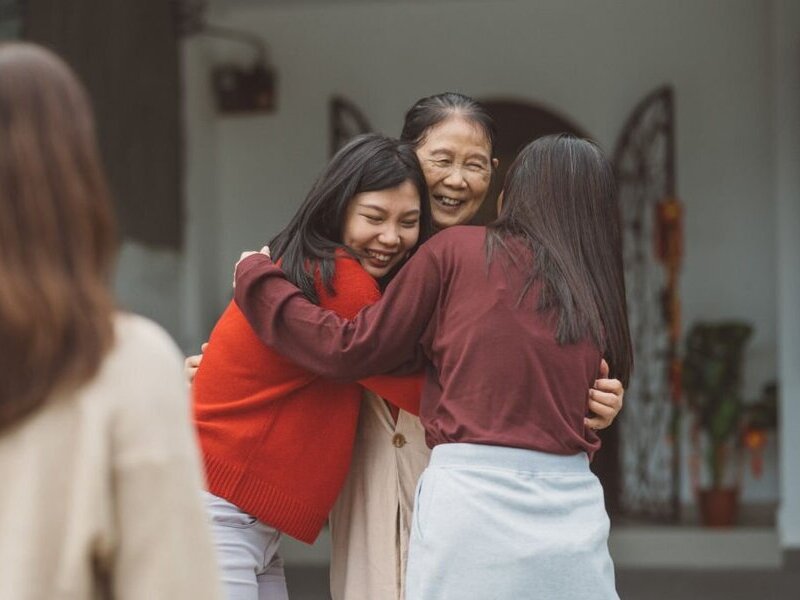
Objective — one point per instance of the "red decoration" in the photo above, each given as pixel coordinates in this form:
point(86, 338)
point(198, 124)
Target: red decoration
point(669, 232)
point(754, 439)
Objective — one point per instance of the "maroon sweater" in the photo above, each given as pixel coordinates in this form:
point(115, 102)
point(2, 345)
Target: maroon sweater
point(495, 373)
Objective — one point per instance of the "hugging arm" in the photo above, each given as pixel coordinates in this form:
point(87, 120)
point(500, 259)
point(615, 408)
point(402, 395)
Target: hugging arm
point(404, 391)
point(382, 338)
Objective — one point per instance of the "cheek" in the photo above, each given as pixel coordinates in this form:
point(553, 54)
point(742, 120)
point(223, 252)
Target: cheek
point(480, 189)
point(410, 238)
point(348, 229)
point(353, 234)
point(431, 178)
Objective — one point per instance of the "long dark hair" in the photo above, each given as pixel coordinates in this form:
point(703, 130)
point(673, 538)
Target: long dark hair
point(559, 197)
point(432, 110)
point(367, 163)
point(57, 233)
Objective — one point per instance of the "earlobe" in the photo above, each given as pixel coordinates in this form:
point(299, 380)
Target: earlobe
point(495, 163)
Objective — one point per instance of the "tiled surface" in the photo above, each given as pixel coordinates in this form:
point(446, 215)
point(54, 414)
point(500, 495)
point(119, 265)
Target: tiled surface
point(639, 546)
point(684, 562)
point(695, 548)
point(649, 584)
point(311, 583)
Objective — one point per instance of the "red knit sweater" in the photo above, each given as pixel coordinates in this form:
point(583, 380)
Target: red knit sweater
point(276, 439)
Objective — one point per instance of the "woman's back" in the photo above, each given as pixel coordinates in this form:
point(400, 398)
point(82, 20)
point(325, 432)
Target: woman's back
point(481, 338)
point(102, 486)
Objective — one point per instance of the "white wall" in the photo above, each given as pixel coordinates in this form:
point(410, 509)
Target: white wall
point(589, 60)
point(786, 20)
point(203, 293)
point(148, 281)
point(180, 290)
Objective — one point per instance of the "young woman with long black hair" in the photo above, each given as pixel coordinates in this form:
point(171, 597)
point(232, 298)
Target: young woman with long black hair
point(276, 438)
point(511, 322)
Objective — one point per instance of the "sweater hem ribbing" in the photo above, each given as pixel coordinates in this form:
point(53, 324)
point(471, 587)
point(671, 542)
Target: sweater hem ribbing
point(264, 501)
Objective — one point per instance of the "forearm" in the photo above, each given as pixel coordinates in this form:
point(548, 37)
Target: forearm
point(317, 339)
point(404, 392)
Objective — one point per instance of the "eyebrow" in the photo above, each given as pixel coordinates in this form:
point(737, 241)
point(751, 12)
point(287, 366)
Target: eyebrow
point(373, 207)
point(473, 156)
point(476, 156)
point(412, 212)
point(380, 209)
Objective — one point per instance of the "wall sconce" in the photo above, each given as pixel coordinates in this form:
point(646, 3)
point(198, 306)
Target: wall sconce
point(237, 89)
point(243, 89)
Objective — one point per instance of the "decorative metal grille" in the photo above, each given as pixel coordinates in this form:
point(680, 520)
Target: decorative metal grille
point(650, 451)
point(346, 121)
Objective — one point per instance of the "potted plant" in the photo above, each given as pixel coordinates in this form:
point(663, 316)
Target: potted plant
point(712, 377)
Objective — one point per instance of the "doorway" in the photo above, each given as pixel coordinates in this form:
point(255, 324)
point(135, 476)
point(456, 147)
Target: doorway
point(519, 123)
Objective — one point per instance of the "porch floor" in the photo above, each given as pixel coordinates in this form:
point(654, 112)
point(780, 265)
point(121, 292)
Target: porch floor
point(683, 562)
point(311, 583)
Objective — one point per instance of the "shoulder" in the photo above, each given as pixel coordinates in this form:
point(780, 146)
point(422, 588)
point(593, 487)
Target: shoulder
point(454, 243)
point(350, 276)
point(143, 366)
point(140, 339)
point(353, 287)
point(143, 386)
point(347, 266)
point(457, 236)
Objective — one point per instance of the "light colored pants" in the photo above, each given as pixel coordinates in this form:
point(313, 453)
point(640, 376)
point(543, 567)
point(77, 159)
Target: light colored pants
point(247, 551)
point(497, 523)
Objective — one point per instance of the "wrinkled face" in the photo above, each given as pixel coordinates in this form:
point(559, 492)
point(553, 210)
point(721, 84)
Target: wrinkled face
point(382, 226)
point(456, 158)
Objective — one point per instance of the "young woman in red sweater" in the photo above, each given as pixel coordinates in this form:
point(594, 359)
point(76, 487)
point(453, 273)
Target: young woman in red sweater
point(277, 439)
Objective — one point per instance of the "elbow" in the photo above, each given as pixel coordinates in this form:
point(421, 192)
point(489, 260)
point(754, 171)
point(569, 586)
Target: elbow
point(348, 364)
point(344, 368)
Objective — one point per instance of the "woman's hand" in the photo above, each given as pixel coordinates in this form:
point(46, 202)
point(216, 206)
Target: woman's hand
point(264, 250)
point(605, 400)
point(192, 363)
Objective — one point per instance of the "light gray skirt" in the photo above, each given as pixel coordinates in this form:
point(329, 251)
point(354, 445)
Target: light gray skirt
point(497, 523)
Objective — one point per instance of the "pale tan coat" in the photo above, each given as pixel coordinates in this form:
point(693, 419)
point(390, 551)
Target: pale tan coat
point(100, 493)
point(371, 519)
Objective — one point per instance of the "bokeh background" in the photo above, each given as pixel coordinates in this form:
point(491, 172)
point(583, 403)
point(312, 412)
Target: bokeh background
point(195, 185)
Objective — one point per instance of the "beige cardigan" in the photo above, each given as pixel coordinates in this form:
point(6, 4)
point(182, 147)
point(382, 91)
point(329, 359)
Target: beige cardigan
point(100, 492)
point(370, 522)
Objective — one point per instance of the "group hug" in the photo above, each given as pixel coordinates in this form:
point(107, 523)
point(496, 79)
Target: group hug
point(427, 388)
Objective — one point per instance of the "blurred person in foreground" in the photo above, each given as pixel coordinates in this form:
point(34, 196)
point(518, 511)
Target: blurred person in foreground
point(101, 494)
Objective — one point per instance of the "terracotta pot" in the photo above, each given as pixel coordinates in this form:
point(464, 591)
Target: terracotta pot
point(719, 507)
